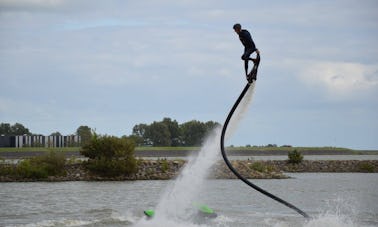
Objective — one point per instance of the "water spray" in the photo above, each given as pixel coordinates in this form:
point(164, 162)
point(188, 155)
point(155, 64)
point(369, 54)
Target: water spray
point(253, 74)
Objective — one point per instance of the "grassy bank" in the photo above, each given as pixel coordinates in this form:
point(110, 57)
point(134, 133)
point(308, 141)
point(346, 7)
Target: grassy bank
point(263, 149)
point(286, 149)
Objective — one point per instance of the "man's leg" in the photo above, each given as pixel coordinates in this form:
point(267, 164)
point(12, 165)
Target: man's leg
point(246, 58)
point(257, 59)
point(253, 74)
point(246, 67)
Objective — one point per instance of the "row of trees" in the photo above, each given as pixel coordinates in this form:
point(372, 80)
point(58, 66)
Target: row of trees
point(16, 129)
point(169, 132)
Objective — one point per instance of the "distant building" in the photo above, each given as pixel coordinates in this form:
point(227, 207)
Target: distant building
point(40, 141)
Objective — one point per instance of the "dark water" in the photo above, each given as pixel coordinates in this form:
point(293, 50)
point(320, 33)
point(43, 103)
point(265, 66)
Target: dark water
point(332, 199)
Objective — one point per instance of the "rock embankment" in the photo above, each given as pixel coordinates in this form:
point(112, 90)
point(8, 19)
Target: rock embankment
point(167, 169)
point(333, 166)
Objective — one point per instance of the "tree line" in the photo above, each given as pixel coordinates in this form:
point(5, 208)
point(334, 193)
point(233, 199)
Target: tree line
point(166, 133)
point(17, 129)
point(169, 132)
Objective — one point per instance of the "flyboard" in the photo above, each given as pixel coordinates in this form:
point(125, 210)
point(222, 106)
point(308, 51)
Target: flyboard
point(252, 76)
point(203, 212)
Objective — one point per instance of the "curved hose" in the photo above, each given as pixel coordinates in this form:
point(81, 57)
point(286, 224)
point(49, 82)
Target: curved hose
point(228, 163)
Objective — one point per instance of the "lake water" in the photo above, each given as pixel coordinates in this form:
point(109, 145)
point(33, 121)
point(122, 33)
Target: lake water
point(331, 199)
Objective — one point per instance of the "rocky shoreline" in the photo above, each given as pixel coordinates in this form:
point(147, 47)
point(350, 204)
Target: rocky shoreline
point(185, 153)
point(169, 169)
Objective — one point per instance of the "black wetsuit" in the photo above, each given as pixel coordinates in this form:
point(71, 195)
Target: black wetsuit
point(249, 47)
point(246, 39)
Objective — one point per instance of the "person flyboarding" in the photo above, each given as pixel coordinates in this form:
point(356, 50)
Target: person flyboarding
point(249, 48)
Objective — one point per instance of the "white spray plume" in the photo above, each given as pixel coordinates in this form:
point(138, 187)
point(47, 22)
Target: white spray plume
point(175, 205)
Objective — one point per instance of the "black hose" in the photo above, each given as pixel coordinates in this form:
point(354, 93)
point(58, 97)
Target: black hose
point(228, 163)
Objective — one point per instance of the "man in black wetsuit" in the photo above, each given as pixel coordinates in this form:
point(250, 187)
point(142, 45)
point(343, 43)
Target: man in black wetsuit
point(249, 47)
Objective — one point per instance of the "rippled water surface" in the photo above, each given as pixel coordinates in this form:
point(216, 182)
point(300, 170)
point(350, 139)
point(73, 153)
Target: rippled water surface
point(332, 199)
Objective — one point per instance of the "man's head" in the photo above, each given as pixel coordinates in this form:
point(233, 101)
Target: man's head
point(237, 28)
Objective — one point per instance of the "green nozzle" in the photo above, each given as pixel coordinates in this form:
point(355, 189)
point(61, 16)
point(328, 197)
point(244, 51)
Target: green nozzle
point(206, 209)
point(203, 208)
point(149, 213)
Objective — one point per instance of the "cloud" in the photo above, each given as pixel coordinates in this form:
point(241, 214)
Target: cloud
point(112, 64)
point(27, 5)
point(10, 109)
point(341, 79)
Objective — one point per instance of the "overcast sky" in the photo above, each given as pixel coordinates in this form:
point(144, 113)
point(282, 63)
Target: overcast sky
point(114, 64)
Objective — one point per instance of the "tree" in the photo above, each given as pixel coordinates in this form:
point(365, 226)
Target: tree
point(295, 157)
point(18, 129)
point(139, 134)
point(159, 134)
point(140, 130)
point(162, 133)
point(137, 140)
point(174, 131)
point(211, 125)
point(85, 133)
point(193, 133)
point(110, 156)
point(5, 129)
point(56, 134)
point(14, 130)
point(169, 133)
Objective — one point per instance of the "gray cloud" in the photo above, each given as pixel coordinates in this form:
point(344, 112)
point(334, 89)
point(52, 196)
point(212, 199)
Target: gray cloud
point(114, 64)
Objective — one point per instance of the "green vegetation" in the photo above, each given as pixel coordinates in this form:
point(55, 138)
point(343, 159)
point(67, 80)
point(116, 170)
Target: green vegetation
point(110, 156)
point(169, 133)
point(295, 157)
point(261, 167)
point(16, 129)
point(164, 165)
point(366, 167)
point(40, 167)
point(85, 133)
point(167, 148)
point(285, 148)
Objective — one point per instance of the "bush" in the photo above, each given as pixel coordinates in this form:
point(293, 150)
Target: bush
point(28, 169)
point(295, 157)
point(258, 166)
point(366, 167)
point(110, 156)
point(111, 167)
point(164, 166)
point(53, 163)
point(6, 169)
point(39, 167)
point(261, 167)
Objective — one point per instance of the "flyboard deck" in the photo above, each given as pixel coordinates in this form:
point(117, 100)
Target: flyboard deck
point(203, 211)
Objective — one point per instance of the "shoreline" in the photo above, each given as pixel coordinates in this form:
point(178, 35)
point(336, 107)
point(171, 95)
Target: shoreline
point(162, 153)
point(169, 169)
